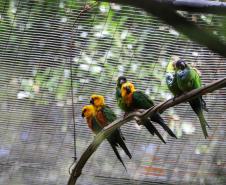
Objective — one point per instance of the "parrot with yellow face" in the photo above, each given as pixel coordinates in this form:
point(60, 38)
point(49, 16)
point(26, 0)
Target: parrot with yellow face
point(89, 113)
point(138, 100)
point(105, 116)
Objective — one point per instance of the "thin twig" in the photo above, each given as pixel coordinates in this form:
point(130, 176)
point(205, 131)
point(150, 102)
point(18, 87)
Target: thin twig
point(86, 8)
point(139, 115)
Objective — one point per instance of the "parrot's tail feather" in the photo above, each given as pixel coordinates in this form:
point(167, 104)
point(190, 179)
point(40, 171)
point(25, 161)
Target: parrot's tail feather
point(125, 149)
point(118, 139)
point(204, 105)
point(203, 124)
point(118, 155)
point(197, 106)
point(151, 128)
point(158, 119)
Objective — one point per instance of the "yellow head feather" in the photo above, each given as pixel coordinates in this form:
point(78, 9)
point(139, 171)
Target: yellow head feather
point(127, 88)
point(97, 100)
point(88, 111)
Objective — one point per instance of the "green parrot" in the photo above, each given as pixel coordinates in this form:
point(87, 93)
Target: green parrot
point(121, 80)
point(171, 79)
point(188, 79)
point(114, 139)
point(138, 100)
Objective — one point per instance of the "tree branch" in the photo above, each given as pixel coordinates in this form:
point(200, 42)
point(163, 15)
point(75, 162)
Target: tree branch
point(139, 115)
point(169, 15)
point(200, 6)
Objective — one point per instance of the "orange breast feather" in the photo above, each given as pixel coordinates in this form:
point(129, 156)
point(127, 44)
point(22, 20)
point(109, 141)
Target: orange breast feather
point(129, 99)
point(90, 123)
point(101, 118)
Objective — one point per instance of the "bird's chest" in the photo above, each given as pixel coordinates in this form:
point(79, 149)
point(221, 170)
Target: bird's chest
point(128, 100)
point(101, 118)
point(90, 123)
point(184, 80)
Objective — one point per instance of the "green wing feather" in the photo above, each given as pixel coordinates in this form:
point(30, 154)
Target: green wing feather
point(109, 114)
point(141, 101)
point(95, 126)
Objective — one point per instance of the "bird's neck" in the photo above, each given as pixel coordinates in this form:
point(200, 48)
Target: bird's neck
point(99, 107)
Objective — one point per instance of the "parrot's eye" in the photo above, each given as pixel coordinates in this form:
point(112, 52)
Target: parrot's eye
point(181, 64)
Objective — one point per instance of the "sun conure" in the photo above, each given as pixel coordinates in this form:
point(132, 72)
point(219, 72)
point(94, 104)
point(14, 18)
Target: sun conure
point(105, 116)
point(89, 113)
point(138, 100)
point(121, 80)
point(188, 79)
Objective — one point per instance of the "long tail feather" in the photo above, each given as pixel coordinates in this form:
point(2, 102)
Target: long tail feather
point(119, 138)
point(117, 154)
point(158, 119)
point(204, 105)
point(197, 107)
point(125, 149)
point(152, 128)
point(203, 124)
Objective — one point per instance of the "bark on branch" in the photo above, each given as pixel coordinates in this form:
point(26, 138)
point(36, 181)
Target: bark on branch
point(164, 11)
point(76, 172)
point(200, 6)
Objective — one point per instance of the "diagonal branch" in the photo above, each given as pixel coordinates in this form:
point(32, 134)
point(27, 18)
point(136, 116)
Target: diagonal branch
point(139, 115)
point(165, 12)
point(200, 6)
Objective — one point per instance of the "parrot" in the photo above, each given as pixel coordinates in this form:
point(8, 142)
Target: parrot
point(188, 79)
point(138, 100)
point(171, 79)
point(105, 116)
point(121, 80)
point(122, 105)
point(88, 112)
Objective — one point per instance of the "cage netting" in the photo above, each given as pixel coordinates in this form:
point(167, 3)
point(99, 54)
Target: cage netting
point(109, 40)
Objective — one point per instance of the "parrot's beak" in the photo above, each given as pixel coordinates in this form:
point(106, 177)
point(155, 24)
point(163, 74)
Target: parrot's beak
point(83, 115)
point(128, 91)
point(92, 101)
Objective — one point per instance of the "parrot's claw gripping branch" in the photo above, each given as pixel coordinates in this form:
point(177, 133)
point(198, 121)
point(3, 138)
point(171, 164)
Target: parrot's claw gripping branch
point(76, 172)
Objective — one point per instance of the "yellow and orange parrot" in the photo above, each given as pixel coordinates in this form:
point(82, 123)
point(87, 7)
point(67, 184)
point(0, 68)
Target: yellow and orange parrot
point(138, 100)
point(105, 116)
point(89, 113)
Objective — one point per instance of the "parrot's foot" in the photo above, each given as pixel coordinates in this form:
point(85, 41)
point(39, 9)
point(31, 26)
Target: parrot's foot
point(174, 98)
point(126, 114)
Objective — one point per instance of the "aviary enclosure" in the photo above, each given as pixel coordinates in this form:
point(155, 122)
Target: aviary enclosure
point(55, 54)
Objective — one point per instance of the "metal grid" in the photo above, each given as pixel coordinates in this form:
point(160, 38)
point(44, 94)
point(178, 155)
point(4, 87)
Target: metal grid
point(110, 40)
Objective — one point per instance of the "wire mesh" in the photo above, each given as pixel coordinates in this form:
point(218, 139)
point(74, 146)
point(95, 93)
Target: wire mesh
point(108, 41)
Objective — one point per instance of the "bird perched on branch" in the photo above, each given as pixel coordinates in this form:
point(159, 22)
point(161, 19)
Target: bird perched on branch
point(138, 100)
point(115, 139)
point(188, 78)
point(171, 79)
point(121, 80)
